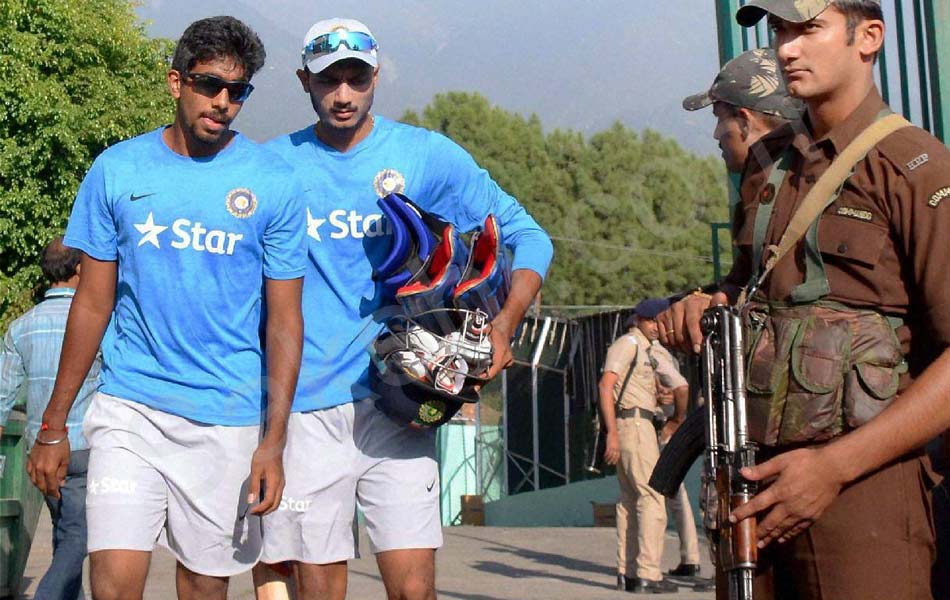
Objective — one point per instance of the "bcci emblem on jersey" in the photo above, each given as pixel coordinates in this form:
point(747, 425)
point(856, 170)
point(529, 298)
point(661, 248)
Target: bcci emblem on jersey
point(389, 181)
point(241, 203)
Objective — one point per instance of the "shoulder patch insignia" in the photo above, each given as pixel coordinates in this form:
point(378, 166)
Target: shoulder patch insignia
point(241, 203)
point(939, 196)
point(918, 162)
point(855, 213)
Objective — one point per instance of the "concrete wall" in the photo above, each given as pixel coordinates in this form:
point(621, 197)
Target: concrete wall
point(568, 505)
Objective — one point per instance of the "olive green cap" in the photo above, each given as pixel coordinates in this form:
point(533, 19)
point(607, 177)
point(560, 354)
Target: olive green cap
point(751, 80)
point(794, 11)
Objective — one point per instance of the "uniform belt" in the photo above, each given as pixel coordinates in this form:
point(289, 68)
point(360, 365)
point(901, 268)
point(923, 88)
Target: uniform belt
point(629, 413)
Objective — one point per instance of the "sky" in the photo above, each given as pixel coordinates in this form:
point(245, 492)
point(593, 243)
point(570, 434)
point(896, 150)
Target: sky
point(577, 65)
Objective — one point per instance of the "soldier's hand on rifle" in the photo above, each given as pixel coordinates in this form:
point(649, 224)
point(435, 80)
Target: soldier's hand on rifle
point(612, 454)
point(679, 324)
point(805, 484)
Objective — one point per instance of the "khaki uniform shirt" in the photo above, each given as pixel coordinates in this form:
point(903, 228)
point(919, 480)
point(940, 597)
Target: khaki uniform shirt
point(885, 240)
point(653, 360)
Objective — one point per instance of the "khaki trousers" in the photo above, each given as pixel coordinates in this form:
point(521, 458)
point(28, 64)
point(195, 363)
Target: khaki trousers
point(685, 525)
point(641, 512)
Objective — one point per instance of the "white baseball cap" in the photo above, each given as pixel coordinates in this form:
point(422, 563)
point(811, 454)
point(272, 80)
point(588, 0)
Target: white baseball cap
point(353, 39)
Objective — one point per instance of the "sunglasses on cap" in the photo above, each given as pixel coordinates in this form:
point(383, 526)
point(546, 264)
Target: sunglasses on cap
point(329, 43)
point(209, 85)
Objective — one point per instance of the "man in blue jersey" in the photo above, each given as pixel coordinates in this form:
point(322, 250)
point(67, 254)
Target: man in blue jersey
point(184, 232)
point(341, 449)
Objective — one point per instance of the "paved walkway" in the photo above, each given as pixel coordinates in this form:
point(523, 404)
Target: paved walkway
point(476, 563)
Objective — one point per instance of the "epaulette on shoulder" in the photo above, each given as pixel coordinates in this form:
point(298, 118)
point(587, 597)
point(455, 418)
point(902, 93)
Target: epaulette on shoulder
point(913, 149)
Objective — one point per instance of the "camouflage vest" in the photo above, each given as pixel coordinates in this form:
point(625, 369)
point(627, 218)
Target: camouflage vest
point(816, 368)
point(816, 371)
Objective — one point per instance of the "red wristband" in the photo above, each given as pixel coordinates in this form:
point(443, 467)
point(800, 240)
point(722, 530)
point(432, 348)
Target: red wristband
point(45, 427)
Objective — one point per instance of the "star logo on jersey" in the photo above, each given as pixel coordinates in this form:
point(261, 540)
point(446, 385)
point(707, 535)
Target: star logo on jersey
point(150, 231)
point(313, 225)
point(389, 181)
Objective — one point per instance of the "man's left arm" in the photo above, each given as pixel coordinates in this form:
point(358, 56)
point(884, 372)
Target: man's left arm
point(807, 481)
point(466, 194)
point(285, 262)
point(525, 285)
point(284, 342)
point(670, 377)
point(12, 376)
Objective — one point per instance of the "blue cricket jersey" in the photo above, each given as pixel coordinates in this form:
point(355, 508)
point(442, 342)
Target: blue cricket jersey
point(193, 238)
point(343, 309)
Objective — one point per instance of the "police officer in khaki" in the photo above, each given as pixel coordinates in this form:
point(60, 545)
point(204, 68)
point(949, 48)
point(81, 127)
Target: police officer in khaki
point(848, 320)
point(627, 405)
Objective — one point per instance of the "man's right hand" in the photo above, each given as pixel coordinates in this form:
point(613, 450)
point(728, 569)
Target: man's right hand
point(47, 466)
point(679, 324)
point(612, 454)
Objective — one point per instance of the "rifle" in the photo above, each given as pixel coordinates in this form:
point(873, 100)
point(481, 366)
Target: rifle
point(719, 428)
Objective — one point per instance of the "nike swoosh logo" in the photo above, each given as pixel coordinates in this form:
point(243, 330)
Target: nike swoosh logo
point(430, 486)
point(133, 197)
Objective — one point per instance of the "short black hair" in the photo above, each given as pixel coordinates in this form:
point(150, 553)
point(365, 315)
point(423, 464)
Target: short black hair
point(219, 38)
point(58, 261)
point(769, 120)
point(856, 11)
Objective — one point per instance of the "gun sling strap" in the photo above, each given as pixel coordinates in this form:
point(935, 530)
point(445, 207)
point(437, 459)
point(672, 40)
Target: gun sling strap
point(804, 223)
point(626, 380)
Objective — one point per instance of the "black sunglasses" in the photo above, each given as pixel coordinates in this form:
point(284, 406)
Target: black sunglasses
point(209, 85)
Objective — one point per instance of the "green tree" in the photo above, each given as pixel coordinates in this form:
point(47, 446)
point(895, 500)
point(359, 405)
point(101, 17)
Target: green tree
point(75, 77)
point(629, 213)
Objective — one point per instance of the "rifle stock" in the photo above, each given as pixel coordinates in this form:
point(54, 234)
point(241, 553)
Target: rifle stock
point(686, 445)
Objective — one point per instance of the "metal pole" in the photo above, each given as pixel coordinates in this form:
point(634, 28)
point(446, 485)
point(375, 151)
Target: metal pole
point(938, 48)
point(479, 489)
point(535, 425)
point(731, 45)
point(567, 430)
point(717, 272)
point(730, 33)
point(902, 59)
point(921, 37)
point(504, 433)
point(882, 70)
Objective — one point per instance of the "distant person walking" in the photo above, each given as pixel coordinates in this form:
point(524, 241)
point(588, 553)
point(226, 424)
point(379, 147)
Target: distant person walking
point(29, 361)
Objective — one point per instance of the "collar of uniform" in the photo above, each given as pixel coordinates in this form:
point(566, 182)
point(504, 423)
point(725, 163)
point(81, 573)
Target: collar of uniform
point(641, 337)
point(768, 149)
point(845, 132)
point(60, 292)
point(763, 154)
